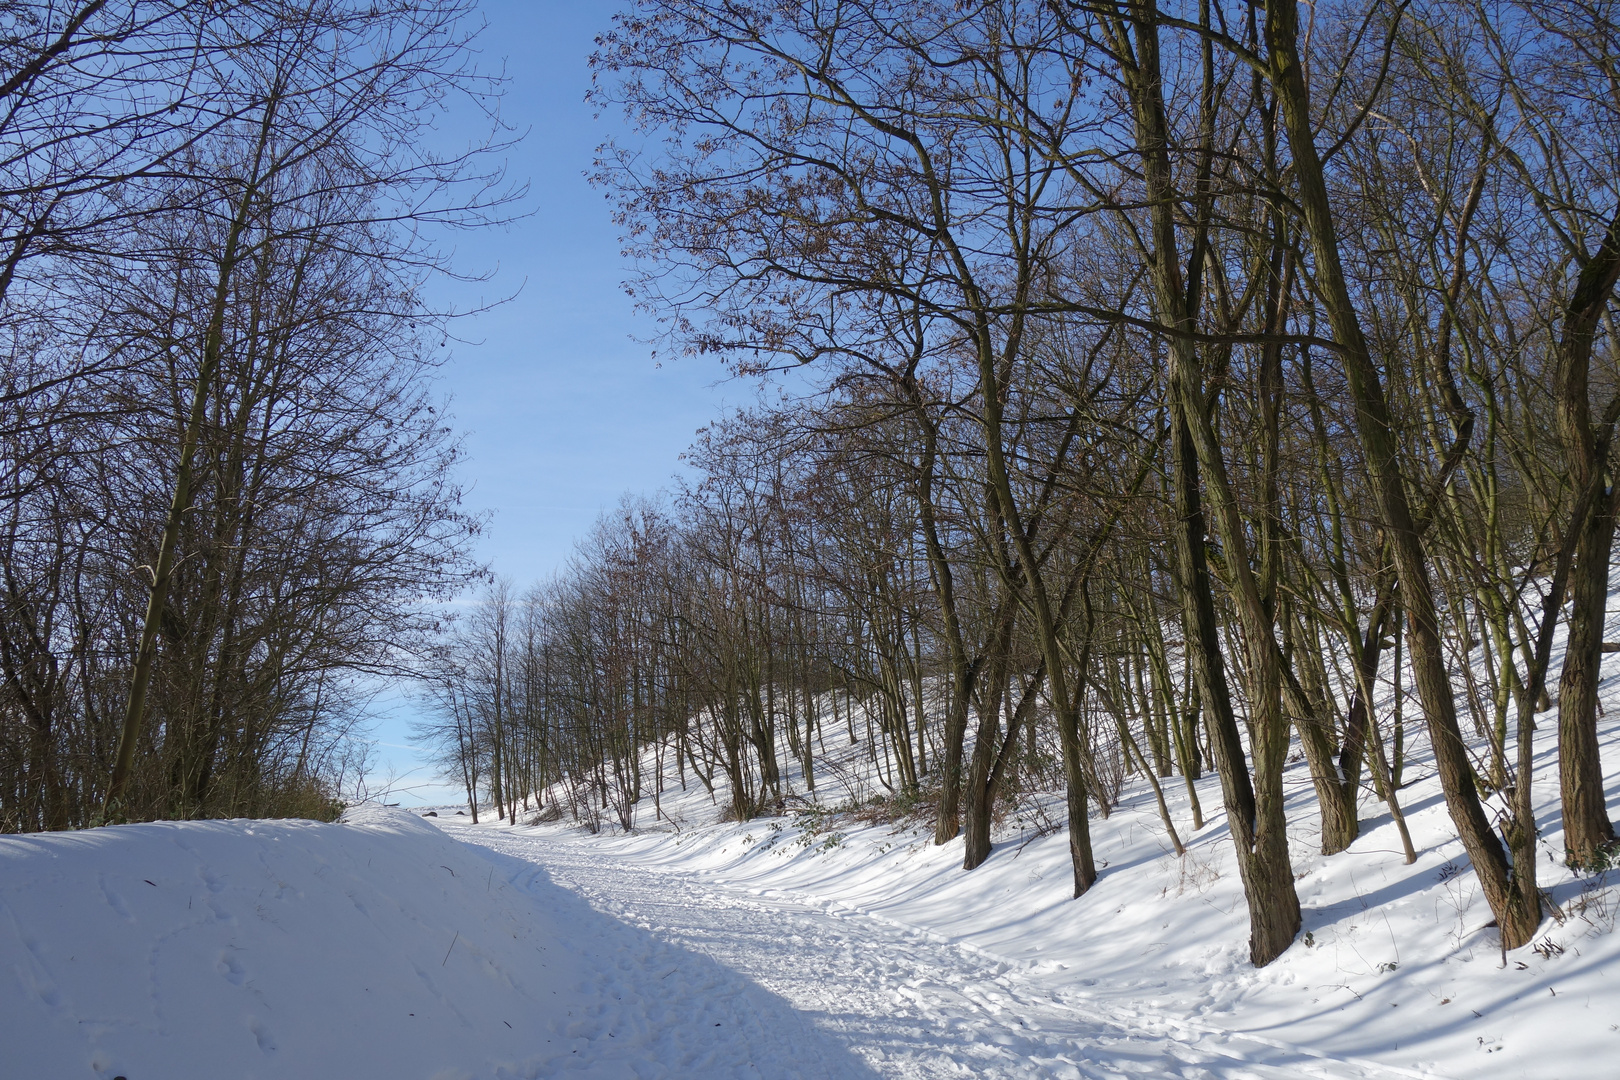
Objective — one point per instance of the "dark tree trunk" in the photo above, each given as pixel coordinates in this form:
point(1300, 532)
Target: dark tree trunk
point(1587, 829)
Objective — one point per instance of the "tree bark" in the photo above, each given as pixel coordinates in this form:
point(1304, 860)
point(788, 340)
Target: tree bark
point(1587, 828)
point(1259, 829)
point(1516, 918)
point(163, 571)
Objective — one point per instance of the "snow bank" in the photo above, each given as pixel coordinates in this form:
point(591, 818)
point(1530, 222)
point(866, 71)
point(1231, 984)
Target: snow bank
point(377, 947)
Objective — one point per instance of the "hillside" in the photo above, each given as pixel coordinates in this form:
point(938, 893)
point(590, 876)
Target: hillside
point(1395, 964)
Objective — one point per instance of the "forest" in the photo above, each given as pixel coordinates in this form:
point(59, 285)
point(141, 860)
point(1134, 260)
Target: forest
point(227, 488)
point(1152, 386)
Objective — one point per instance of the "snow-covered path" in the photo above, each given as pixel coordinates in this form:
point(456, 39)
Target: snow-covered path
point(907, 1004)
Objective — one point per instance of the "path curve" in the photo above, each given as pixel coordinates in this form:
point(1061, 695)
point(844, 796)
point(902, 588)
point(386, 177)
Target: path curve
point(911, 1006)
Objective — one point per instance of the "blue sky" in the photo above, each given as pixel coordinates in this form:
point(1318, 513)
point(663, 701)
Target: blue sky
point(563, 409)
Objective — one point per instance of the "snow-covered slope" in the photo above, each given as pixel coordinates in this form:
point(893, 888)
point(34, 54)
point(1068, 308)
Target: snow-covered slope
point(1395, 964)
point(377, 947)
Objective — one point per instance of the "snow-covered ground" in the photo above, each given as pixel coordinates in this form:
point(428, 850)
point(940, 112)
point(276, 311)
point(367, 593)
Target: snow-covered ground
point(1397, 971)
point(375, 948)
point(910, 1003)
point(811, 944)
point(923, 970)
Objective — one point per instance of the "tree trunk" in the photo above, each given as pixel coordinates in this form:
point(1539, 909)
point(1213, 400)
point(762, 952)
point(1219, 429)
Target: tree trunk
point(1255, 806)
point(1587, 829)
point(1517, 919)
point(162, 572)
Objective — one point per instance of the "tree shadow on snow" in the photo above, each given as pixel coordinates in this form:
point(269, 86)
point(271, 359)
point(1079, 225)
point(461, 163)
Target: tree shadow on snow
point(682, 999)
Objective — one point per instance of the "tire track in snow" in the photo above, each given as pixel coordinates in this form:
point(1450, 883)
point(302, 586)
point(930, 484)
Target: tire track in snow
point(912, 1006)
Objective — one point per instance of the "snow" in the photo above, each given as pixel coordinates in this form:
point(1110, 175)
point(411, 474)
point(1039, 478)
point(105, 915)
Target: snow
point(377, 947)
point(811, 944)
point(909, 1002)
point(1397, 970)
